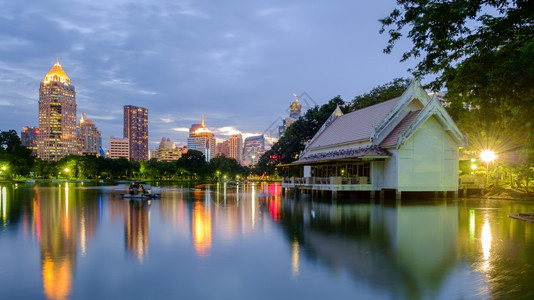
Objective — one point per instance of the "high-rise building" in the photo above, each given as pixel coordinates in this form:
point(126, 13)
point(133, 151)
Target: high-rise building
point(223, 148)
point(202, 139)
point(28, 137)
point(236, 147)
point(57, 116)
point(90, 137)
point(136, 131)
point(119, 148)
point(252, 150)
point(294, 114)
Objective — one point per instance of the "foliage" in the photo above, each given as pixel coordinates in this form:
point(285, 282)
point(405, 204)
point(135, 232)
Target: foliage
point(18, 158)
point(381, 93)
point(288, 147)
point(193, 163)
point(483, 53)
point(446, 32)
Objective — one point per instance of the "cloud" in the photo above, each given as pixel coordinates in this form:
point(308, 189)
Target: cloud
point(181, 129)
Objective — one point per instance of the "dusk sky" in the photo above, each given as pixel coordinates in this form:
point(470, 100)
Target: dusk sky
point(237, 62)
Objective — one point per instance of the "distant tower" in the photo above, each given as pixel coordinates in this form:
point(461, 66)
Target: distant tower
point(253, 149)
point(90, 137)
point(136, 131)
point(202, 139)
point(57, 116)
point(294, 114)
point(294, 108)
point(236, 147)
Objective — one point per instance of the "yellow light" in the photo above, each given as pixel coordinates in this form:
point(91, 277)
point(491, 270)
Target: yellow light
point(473, 166)
point(67, 170)
point(4, 168)
point(488, 156)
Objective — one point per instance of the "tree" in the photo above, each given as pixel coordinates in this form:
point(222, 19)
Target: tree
point(289, 146)
point(446, 32)
point(227, 166)
point(18, 157)
point(483, 53)
point(381, 93)
point(193, 162)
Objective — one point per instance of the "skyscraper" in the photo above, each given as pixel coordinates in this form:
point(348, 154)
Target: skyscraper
point(136, 131)
point(202, 139)
point(236, 147)
point(253, 149)
point(294, 114)
point(57, 116)
point(90, 137)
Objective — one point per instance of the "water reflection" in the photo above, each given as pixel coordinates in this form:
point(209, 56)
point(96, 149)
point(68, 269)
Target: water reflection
point(202, 228)
point(60, 217)
point(431, 249)
point(136, 219)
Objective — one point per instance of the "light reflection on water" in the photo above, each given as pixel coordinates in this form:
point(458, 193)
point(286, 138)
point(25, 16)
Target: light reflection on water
point(239, 238)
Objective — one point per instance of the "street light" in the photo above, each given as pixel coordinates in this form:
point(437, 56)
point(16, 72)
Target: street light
point(67, 172)
point(487, 156)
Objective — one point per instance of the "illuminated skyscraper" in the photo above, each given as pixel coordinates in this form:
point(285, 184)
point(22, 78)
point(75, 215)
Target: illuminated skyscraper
point(90, 137)
point(136, 131)
point(236, 147)
point(253, 149)
point(202, 139)
point(57, 116)
point(294, 114)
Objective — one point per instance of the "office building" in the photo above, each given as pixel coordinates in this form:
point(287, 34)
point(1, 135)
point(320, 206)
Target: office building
point(136, 131)
point(119, 148)
point(90, 137)
point(294, 114)
point(253, 149)
point(236, 147)
point(57, 116)
point(202, 139)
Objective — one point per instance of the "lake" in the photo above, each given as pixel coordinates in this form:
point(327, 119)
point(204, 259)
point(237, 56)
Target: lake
point(83, 241)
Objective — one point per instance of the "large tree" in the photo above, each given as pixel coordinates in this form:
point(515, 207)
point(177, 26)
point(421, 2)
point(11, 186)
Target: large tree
point(17, 159)
point(483, 53)
point(381, 93)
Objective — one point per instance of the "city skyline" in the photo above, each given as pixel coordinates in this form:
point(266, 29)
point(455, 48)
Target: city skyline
point(239, 65)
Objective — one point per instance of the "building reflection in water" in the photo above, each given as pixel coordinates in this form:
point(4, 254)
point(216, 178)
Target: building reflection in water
point(136, 219)
point(59, 221)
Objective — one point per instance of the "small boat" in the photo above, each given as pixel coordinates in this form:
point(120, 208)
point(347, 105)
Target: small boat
point(140, 190)
point(527, 217)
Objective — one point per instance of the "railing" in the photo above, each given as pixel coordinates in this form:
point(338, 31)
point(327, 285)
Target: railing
point(326, 180)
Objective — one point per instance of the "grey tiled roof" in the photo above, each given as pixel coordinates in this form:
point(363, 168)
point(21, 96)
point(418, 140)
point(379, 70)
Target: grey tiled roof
point(344, 154)
point(354, 126)
point(393, 137)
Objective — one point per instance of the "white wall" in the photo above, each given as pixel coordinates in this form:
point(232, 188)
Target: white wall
point(428, 160)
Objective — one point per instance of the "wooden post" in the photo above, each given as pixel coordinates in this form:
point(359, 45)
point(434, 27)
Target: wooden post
point(398, 195)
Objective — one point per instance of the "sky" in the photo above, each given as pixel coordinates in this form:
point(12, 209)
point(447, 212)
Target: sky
point(238, 63)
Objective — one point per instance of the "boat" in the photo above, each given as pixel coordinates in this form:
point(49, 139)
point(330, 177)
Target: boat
point(140, 190)
point(527, 217)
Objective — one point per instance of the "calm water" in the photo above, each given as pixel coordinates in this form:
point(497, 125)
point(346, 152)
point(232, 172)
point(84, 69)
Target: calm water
point(74, 241)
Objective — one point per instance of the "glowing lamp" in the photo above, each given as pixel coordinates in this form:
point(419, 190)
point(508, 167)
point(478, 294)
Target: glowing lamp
point(488, 156)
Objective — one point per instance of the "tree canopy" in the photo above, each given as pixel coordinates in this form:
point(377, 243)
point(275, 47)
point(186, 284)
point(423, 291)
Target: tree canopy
point(483, 54)
point(381, 93)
